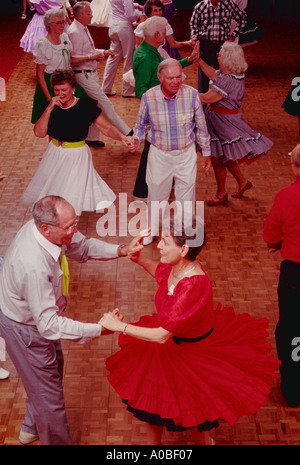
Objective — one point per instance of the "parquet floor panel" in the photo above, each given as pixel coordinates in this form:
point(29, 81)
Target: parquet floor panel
point(242, 271)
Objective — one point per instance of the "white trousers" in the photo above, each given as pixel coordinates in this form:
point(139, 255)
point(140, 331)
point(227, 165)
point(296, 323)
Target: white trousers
point(122, 44)
point(162, 168)
point(90, 83)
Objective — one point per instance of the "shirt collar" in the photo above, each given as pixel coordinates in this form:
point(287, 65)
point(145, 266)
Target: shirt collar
point(79, 25)
point(151, 47)
point(53, 249)
point(166, 98)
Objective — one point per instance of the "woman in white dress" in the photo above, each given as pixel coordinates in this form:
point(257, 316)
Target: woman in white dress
point(66, 168)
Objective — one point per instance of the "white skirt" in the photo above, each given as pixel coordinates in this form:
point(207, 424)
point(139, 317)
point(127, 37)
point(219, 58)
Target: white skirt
point(69, 173)
point(101, 13)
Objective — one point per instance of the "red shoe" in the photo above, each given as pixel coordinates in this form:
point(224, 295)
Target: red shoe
point(219, 200)
point(239, 193)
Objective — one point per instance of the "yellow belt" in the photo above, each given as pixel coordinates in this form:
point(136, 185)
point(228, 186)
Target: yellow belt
point(68, 145)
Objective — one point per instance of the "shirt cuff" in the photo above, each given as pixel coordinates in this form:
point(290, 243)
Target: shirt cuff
point(90, 331)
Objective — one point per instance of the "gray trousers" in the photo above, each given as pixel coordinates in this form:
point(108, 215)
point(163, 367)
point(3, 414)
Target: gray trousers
point(39, 362)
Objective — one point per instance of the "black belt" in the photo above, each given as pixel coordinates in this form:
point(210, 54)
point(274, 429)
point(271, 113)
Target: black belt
point(212, 42)
point(178, 340)
point(84, 70)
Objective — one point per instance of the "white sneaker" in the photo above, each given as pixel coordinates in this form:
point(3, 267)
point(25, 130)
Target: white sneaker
point(27, 438)
point(4, 374)
point(147, 240)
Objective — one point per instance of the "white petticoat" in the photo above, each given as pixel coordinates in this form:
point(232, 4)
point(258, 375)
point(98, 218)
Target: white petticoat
point(69, 173)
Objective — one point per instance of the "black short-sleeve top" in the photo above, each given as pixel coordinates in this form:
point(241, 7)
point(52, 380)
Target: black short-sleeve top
point(72, 124)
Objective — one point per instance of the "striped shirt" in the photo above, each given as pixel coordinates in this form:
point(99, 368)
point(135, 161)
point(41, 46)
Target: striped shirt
point(172, 124)
point(215, 23)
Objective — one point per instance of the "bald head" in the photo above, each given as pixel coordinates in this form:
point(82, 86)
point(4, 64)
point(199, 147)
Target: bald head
point(47, 210)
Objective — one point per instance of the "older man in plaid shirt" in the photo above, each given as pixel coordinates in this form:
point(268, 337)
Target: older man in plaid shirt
point(211, 24)
point(172, 118)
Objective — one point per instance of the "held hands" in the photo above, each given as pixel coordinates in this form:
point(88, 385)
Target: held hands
point(191, 42)
point(108, 53)
point(112, 321)
point(136, 245)
point(101, 54)
point(195, 55)
point(131, 142)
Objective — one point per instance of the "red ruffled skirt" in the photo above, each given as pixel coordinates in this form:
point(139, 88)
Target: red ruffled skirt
point(224, 376)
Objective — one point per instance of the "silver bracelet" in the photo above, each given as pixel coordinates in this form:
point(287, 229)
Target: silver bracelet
point(124, 330)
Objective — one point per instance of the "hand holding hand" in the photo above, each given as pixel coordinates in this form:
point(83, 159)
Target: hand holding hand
point(112, 320)
point(195, 55)
point(131, 143)
point(108, 53)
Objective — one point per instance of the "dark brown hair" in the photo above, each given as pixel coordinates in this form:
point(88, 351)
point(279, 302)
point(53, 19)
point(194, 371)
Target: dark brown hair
point(60, 76)
point(193, 237)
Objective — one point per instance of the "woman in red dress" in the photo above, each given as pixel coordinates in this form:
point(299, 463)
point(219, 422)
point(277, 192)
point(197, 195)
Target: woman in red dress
point(188, 365)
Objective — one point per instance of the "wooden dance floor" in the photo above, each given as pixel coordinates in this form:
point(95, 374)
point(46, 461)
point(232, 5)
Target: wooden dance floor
point(244, 274)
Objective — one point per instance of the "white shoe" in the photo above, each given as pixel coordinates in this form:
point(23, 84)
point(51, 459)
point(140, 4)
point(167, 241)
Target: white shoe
point(27, 438)
point(4, 374)
point(23, 17)
point(147, 240)
point(290, 154)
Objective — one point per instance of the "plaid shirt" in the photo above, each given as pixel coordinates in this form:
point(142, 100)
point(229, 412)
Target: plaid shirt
point(172, 124)
point(215, 23)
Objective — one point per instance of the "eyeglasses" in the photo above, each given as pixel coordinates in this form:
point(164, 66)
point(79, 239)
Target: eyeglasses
point(59, 22)
point(69, 229)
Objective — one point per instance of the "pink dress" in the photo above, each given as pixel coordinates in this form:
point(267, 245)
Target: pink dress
point(216, 367)
point(36, 29)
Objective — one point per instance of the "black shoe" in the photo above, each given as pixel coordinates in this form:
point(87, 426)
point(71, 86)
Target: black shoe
point(95, 143)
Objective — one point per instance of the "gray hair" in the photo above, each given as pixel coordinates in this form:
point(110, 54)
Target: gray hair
point(296, 155)
point(79, 7)
point(49, 15)
point(153, 25)
point(44, 211)
point(233, 58)
point(166, 63)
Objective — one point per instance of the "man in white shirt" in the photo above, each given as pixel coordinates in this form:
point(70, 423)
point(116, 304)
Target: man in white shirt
point(84, 60)
point(121, 33)
point(32, 301)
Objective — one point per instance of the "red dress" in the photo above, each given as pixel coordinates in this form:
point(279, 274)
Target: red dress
point(225, 375)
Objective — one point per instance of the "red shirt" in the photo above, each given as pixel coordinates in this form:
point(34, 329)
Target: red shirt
point(283, 222)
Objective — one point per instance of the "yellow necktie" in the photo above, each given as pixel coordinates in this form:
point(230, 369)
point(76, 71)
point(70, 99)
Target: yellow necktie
point(65, 279)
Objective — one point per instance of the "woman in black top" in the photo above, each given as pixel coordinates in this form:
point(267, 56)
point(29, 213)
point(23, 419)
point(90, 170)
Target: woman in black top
point(66, 168)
